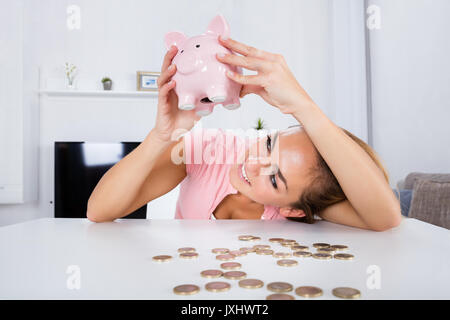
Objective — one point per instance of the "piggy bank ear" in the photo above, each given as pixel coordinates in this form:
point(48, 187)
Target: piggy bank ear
point(174, 38)
point(218, 26)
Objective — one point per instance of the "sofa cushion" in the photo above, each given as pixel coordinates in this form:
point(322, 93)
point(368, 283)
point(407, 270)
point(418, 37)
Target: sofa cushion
point(411, 179)
point(431, 202)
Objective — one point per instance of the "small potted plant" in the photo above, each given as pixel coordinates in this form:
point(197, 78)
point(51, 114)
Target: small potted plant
point(70, 71)
point(107, 83)
point(259, 124)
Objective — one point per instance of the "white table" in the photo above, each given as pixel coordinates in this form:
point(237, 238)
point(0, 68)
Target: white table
point(114, 259)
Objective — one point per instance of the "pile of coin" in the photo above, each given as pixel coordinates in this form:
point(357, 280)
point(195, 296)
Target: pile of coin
point(324, 251)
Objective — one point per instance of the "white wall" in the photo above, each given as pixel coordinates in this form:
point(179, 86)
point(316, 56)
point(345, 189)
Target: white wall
point(411, 86)
point(119, 37)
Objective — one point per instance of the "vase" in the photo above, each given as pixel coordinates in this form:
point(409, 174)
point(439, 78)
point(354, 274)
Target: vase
point(107, 85)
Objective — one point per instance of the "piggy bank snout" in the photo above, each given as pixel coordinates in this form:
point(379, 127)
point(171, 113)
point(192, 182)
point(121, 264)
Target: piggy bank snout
point(187, 62)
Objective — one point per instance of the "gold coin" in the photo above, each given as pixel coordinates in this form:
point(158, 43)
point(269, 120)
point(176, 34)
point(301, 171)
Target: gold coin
point(343, 256)
point(186, 289)
point(225, 257)
point(186, 249)
point(234, 275)
point(217, 286)
point(211, 273)
point(276, 239)
point(287, 263)
point(245, 238)
point(346, 293)
point(288, 244)
point(326, 250)
point(189, 255)
point(289, 240)
point(162, 258)
point(280, 296)
point(309, 292)
point(247, 249)
point(321, 245)
point(302, 254)
point(251, 283)
point(255, 239)
point(299, 248)
point(264, 251)
point(279, 286)
point(230, 265)
point(220, 250)
point(238, 253)
point(282, 254)
point(261, 246)
point(322, 256)
point(339, 247)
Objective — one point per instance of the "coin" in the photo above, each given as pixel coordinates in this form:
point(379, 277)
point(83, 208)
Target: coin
point(162, 258)
point(276, 239)
point(264, 251)
point(186, 249)
point(343, 256)
point(339, 247)
point(289, 240)
point(255, 238)
point(302, 254)
point(251, 283)
point(186, 289)
point(280, 296)
point(225, 257)
point(230, 265)
point(220, 250)
point(211, 273)
point(247, 249)
point(217, 286)
point(287, 263)
point(282, 254)
point(346, 293)
point(245, 238)
point(238, 253)
point(279, 286)
point(326, 250)
point(234, 275)
point(322, 256)
point(189, 255)
point(309, 292)
point(288, 244)
point(261, 246)
point(299, 248)
point(321, 245)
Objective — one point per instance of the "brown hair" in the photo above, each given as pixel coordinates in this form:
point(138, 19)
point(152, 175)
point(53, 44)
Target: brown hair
point(324, 189)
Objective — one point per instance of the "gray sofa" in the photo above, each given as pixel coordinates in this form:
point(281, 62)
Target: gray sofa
point(426, 197)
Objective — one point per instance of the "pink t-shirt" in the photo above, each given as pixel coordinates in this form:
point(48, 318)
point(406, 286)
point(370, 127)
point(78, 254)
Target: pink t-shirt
point(209, 154)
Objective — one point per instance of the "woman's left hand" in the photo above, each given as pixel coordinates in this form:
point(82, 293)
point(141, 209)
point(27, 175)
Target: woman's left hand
point(274, 82)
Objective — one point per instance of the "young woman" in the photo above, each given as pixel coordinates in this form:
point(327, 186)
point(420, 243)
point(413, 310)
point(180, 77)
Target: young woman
point(319, 169)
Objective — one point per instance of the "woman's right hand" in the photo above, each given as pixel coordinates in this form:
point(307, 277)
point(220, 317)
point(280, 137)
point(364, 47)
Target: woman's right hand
point(170, 119)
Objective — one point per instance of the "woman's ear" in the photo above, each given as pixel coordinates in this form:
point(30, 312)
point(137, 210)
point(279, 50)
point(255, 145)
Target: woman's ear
point(291, 212)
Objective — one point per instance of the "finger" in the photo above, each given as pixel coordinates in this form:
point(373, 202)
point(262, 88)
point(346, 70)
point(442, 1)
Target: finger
point(247, 89)
point(166, 75)
point(250, 63)
point(246, 50)
point(246, 80)
point(168, 57)
point(164, 90)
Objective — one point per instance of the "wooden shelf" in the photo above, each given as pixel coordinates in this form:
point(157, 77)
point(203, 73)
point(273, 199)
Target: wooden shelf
point(105, 94)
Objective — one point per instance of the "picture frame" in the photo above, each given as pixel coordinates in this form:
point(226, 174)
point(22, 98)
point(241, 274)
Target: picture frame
point(147, 80)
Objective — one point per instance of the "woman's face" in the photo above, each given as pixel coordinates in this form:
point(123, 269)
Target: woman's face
point(277, 167)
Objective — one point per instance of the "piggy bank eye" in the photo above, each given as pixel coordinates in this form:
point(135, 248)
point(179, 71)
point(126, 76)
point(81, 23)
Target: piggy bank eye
point(197, 46)
point(181, 51)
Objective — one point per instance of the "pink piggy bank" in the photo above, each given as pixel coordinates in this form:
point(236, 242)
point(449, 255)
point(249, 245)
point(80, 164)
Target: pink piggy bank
point(201, 82)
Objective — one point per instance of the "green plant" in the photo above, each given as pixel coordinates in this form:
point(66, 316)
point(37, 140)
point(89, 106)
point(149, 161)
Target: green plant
point(106, 79)
point(259, 124)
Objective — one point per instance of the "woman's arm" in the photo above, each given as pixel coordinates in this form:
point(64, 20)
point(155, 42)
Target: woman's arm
point(148, 171)
point(361, 180)
point(144, 174)
point(363, 183)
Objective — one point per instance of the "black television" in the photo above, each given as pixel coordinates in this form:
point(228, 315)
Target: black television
point(78, 168)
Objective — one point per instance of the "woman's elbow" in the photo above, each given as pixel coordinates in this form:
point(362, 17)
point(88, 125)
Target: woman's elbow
point(394, 221)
